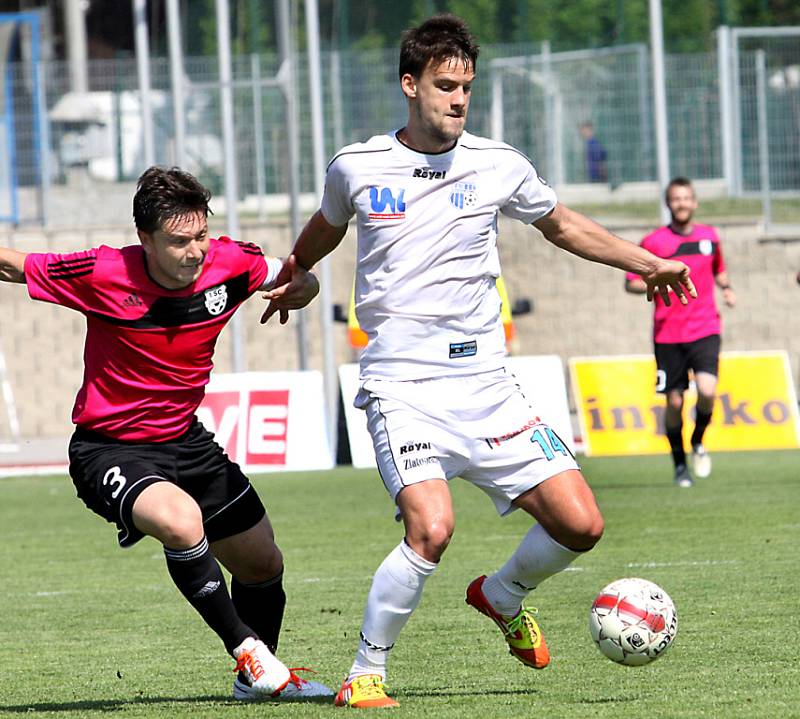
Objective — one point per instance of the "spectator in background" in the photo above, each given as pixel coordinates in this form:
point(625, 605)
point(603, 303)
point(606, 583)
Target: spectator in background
point(595, 153)
point(687, 337)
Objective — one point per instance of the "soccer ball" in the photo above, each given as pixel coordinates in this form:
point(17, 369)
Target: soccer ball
point(633, 621)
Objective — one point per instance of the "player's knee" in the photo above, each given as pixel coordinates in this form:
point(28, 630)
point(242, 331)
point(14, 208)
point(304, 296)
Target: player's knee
point(705, 402)
point(675, 402)
point(583, 532)
point(180, 525)
point(431, 540)
point(593, 531)
point(266, 565)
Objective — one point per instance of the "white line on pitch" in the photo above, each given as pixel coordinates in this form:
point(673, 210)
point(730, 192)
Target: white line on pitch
point(704, 563)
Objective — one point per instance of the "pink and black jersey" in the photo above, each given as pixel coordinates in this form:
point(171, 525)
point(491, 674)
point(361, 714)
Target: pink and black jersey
point(701, 251)
point(148, 352)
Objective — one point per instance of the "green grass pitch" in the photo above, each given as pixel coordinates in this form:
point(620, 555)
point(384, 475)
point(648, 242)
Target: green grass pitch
point(90, 630)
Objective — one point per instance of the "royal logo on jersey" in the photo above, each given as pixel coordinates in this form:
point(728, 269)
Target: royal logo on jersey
point(409, 447)
point(385, 205)
point(428, 173)
point(216, 299)
point(706, 247)
point(464, 195)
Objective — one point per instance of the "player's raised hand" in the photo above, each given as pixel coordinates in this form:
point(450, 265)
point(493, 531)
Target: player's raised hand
point(670, 275)
point(294, 288)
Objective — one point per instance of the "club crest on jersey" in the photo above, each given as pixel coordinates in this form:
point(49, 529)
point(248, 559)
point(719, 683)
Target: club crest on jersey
point(464, 195)
point(706, 247)
point(385, 205)
point(216, 299)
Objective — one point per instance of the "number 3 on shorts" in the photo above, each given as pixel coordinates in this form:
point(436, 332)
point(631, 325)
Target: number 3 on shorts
point(548, 442)
point(114, 477)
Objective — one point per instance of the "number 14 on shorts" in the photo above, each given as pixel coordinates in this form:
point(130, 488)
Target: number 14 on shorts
point(549, 443)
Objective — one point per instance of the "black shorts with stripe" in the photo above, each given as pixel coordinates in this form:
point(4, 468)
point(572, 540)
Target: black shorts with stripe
point(109, 474)
point(674, 360)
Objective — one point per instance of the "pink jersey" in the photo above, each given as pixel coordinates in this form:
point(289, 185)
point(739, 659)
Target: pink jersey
point(701, 251)
point(148, 351)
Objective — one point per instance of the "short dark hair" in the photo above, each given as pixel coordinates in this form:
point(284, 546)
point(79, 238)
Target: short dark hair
point(162, 194)
point(677, 182)
point(437, 39)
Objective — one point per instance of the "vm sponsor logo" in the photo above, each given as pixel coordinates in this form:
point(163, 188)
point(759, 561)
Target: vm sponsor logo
point(387, 204)
point(250, 425)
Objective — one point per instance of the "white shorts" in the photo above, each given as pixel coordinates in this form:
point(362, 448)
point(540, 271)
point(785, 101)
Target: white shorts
point(479, 427)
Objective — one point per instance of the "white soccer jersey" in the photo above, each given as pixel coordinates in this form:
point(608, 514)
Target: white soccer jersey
point(427, 249)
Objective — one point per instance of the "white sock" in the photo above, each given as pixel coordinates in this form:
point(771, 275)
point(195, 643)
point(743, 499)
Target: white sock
point(395, 592)
point(538, 557)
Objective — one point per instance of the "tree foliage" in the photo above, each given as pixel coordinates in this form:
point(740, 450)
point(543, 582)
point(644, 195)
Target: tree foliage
point(689, 25)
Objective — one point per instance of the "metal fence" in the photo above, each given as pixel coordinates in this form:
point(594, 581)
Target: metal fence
point(525, 95)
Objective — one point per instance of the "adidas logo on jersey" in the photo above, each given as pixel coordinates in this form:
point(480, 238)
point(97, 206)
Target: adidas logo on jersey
point(132, 300)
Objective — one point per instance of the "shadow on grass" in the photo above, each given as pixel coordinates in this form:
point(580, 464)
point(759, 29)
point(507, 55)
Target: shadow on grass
point(608, 700)
point(477, 692)
point(105, 705)
point(656, 484)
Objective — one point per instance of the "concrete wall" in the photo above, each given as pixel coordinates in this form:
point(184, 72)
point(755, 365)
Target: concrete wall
point(579, 309)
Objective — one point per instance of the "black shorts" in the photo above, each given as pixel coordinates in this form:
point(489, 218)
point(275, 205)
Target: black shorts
point(109, 474)
point(674, 360)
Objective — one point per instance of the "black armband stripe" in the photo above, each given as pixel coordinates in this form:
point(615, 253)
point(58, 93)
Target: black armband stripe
point(66, 275)
point(182, 311)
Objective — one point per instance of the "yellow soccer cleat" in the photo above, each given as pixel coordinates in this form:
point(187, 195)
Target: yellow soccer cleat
point(522, 633)
point(364, 692)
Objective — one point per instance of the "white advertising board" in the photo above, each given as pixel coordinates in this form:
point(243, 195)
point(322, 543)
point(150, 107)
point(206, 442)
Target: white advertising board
point(269, 421)
point(541, 378)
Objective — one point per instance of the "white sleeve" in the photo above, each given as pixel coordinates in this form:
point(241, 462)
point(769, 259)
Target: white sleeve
point(337, 205)
point(533, 197)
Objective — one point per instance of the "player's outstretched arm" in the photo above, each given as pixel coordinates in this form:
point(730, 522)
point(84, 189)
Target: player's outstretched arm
point(294, 288)
point(12, 265)
point(317, 239)
point(581, 236)
point(728, 295)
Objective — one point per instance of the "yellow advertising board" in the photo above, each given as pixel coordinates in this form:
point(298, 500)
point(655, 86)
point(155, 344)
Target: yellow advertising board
point(620, 412)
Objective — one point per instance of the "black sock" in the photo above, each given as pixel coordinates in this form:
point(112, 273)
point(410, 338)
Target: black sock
point(199, 578)
point(675, 437)
point(701, 422)
point(261, 607)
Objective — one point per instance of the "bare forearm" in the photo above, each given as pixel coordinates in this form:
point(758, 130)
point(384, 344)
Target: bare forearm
point(317, 239)
point(583, 237)
point(12, 265)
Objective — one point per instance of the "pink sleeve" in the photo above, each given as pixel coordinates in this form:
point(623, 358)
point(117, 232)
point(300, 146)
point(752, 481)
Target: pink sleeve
point(252, 261)
point(718, 264)
point(63, 279)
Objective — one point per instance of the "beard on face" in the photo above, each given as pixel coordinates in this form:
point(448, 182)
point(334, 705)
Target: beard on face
point(681, 217)
point(438, 132)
